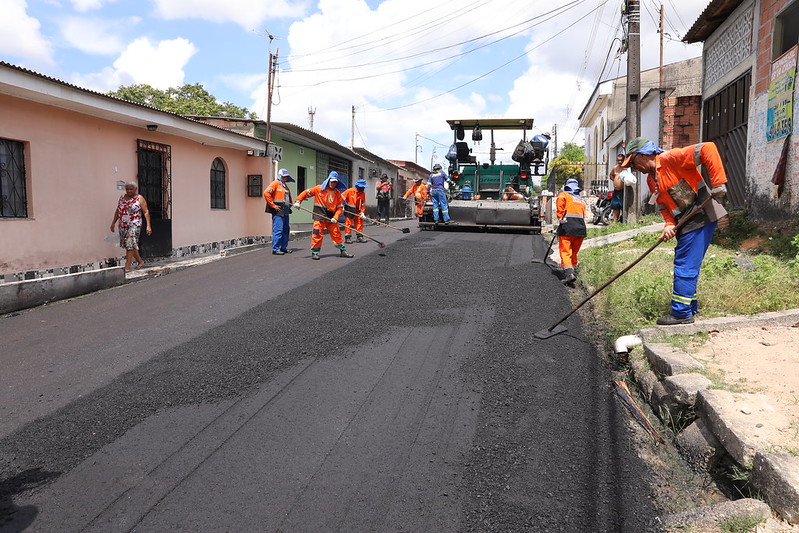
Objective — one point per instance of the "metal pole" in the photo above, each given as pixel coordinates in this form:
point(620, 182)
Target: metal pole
point(352, 135)
point(633, 124)
point(270, 84)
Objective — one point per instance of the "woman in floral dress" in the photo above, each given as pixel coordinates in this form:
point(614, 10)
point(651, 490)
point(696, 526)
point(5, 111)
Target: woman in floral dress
point(132, 207)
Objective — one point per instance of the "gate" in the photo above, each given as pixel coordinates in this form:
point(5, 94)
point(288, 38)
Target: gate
point(725, 122)
point(155, 184)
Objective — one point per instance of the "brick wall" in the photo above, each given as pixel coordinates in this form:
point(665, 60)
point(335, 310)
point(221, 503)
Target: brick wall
point(768, 11)
point(681, 121)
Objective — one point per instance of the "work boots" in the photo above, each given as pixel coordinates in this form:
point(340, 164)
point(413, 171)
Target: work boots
point(348, 239)
point(360, 238)
point(568, 277)
point(345, 254)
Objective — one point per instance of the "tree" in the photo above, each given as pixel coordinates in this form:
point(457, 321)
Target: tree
point(189, 99)
point(567, 165)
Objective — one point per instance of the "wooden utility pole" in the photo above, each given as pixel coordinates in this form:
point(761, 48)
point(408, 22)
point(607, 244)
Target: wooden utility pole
point(632, 9)
point(555, 139)
point(311, 113)
point(660, 83)
point(270, 88)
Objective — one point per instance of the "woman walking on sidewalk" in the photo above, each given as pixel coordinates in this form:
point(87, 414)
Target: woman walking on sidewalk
point(130, 209)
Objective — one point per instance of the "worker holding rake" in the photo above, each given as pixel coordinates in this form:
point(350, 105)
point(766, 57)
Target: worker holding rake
point(419, 192)
point(327, 210)
point(354, 208)
point(570, 209)
point(677, 186)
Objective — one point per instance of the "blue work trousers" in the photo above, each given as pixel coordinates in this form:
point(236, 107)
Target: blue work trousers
point(688, 256)
point(440, 203)
point(280, 233)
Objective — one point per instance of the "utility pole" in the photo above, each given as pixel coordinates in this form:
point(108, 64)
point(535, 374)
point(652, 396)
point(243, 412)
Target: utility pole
point(555, 139)
point(632, 9)
point(660, 83)
point(417, 150)
point(352, 132)
point(311, 113)
point(270, 88)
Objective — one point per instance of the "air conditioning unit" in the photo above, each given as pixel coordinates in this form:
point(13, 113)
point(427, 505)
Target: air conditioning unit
point(373, 172)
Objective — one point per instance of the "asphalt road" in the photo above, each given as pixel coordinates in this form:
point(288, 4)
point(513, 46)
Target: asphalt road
point(398, 391)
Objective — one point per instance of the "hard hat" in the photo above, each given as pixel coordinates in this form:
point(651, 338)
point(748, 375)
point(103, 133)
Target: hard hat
point(436, 167)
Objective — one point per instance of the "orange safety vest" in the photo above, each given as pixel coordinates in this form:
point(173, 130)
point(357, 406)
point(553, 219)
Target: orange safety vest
point(682, 164)
point(276, 195)
point(570, 211)
point(418, 190)
point(354, 202)
point(328, 202)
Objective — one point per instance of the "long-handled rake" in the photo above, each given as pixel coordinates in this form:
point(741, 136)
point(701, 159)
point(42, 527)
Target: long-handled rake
point(557, 328)
point(544, 259)
point(403, 230)
point(320, 217)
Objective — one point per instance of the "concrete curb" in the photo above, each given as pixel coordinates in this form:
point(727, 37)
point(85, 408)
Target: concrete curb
point(739, 423)
point(19, 295)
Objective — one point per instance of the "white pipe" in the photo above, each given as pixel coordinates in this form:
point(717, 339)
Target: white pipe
point(626, 343)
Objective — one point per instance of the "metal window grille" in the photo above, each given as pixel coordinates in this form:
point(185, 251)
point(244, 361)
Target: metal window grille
point(13, 195)
point(155, 177)
point(217, 184)
point(255, 185)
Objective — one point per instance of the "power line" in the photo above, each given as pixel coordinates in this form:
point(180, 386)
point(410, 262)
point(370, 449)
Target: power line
point(490, 71)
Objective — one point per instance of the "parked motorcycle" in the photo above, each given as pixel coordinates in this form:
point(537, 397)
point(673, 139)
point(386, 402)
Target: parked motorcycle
point(601, 208)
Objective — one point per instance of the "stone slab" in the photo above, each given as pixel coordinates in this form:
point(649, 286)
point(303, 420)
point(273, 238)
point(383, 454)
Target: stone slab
point(19, 295)
point(743, 423)
point(708, 516)
point(699, 447)
point(243, 249)
point(787, 318)
point(667, 360)
point(776, 476)
point(684, 387)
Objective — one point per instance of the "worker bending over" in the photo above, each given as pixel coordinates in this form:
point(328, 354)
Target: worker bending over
point(354, 208)
point(327, 209)
point(570, 209)
point(419, 192)
point(677, 186)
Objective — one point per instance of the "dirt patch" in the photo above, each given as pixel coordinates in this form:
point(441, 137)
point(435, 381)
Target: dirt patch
point(752, 243)
point(759, 360)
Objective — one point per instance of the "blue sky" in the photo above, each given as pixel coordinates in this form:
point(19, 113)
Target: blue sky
point(406, 65)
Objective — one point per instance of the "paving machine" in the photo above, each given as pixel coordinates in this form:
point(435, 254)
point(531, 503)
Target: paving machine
point(501, 195)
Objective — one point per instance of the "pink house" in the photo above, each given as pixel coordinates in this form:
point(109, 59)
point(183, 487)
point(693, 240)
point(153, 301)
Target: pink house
point(66, 152)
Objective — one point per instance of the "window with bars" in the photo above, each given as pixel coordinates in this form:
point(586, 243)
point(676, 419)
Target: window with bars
point(13, 194)
point(218, 184)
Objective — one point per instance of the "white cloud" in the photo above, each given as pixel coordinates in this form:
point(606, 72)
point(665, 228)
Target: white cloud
point(20, 35)
point(159, 65)
point(88, 5)
point(96, 36)
point(248, 14)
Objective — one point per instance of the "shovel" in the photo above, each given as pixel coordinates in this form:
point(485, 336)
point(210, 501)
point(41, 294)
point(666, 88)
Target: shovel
point(557, 327)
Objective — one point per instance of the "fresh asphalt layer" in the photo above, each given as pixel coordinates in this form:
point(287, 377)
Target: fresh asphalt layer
point(398, 391)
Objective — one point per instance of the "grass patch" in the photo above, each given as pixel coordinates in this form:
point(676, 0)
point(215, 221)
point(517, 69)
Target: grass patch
point(687, 343)
point(741, 523)
point(639, 297)
point(616, 227)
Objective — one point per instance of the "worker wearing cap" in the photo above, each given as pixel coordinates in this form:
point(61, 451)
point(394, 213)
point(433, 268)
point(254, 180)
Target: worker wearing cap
point(278, 202)
point(354, 208)
point(466, 191)
point(436, 190)
point(327, 209)
point(570, 210)
point(419, 192)
point(676, 185)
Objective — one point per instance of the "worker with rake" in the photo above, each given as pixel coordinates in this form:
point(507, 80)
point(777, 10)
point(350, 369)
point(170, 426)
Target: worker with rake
point(570, 210)
point(327, 210)
point(419, 192)
point(677, 187)
point(354, 208)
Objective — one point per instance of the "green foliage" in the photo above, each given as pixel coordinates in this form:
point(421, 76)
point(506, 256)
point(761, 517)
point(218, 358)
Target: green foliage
point(572, 152)
point(189, 99)
point(741, 523)
point(565, 171)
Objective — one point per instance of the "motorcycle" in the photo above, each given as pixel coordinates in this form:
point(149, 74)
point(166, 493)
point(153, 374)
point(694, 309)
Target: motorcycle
point(601, 208)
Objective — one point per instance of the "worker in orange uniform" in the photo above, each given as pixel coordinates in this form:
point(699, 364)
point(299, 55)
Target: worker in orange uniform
point(419, 192)
point(278, 202)
point(354, 208)
point(327, 209)
point(570, 209)
point(676, 186)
